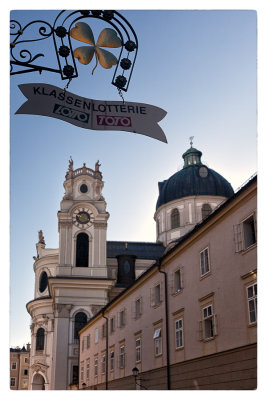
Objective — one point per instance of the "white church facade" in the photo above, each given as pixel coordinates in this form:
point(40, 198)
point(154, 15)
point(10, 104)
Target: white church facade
point(73, 282)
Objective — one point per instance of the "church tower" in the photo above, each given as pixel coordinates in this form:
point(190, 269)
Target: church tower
point(71, 283)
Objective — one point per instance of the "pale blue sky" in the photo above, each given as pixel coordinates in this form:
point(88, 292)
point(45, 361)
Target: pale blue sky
point(200, 66)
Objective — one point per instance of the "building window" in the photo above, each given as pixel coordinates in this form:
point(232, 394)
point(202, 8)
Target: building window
point(40, 336)
point(43, 282)
point(121, 318)
point(122, 357)
point(14, 365)
point(75, 374)
point(103, 364)
point(208, 323)
point(83, 344)
point(204, 261)
point(177, 281)
point(96, 336)
point(25, 372)
point(252, 303)
point(138, 350)
point(206, 210)
point(175, 218)
point(26, 360)
point(156, 296)
point(112, 358)
point(104, 330)
point(12, 382)
point(138, 309)
point(249, 232)
point(87, 341)
point(82, 250)
point(96, 366)
point(80, 321)
point(179, 340)
point(245, 233)
point(87, 370)
point(112, 324)
point(82, 373)
point(157, 342)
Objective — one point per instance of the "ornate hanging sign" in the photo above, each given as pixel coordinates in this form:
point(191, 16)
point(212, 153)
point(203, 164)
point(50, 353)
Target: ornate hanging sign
point(74, 41)
point(68, 28)
point(52, 101)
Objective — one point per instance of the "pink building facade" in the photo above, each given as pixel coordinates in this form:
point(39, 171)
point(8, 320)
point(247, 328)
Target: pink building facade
point(190, 320)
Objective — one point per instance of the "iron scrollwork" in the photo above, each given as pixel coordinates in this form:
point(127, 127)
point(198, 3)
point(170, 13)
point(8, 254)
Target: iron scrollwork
point(23, 60)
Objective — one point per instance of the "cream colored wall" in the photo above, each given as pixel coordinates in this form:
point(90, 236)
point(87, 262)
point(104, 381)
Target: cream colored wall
point(190, 214)
point(224, 288)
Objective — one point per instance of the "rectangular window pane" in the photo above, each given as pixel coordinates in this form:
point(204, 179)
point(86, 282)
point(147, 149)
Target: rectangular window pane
point(177, 281)
point(112, 360)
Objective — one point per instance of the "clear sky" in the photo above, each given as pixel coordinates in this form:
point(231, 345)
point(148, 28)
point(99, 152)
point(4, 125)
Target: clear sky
point(199, 66)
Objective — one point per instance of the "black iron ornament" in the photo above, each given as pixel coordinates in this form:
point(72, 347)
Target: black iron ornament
point(23, 60)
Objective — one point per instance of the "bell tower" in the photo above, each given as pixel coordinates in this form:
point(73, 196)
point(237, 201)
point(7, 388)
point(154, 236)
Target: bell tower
point(82, 224)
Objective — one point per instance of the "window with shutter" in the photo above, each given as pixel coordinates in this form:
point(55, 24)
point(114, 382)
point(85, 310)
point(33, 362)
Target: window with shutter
point(208, 323)
point(238, 238)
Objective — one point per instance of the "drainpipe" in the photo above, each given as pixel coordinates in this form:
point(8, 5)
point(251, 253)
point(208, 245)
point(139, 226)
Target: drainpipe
point(106, 349)
point(167, 327)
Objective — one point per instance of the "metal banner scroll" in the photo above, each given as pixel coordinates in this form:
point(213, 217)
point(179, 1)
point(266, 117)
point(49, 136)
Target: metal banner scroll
point(52, 101)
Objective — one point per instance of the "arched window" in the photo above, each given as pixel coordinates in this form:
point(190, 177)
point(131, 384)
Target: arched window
point(43, 282)
point(79, 322)
point(206, 210)
point(82, 250)
point(175, 218)
point(40, 336)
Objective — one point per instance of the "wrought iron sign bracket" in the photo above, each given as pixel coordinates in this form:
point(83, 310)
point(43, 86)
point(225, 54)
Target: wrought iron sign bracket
point(24, 61)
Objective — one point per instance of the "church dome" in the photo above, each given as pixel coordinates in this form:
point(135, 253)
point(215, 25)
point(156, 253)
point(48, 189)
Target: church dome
point(194, 179)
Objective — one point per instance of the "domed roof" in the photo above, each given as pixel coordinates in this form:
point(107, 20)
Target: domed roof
point(195, 179)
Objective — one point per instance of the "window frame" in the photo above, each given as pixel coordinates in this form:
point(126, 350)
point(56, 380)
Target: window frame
point(87, 369)
point(175, 218)
point(88, 341)
point(138, 349)
point(204, 271)
point(244, 223)
point(112, 325)
point(112, 360)
point(157, 342)
point(210, 319)
point(122, 318)
point(82, 372)
point(13, 378)
point(179, 333)
point(103, 363)
point(96, 336)
point(252, 299)
point(96, 366)
point(156, 295)
point(12, 364)
point(40, 340)
point(122, 356)
point(138, 312)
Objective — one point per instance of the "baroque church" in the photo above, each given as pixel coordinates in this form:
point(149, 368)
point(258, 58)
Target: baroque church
point(73, 282)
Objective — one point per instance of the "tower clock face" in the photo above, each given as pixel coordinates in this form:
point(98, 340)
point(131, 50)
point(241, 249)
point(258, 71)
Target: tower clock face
point(82, 217)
